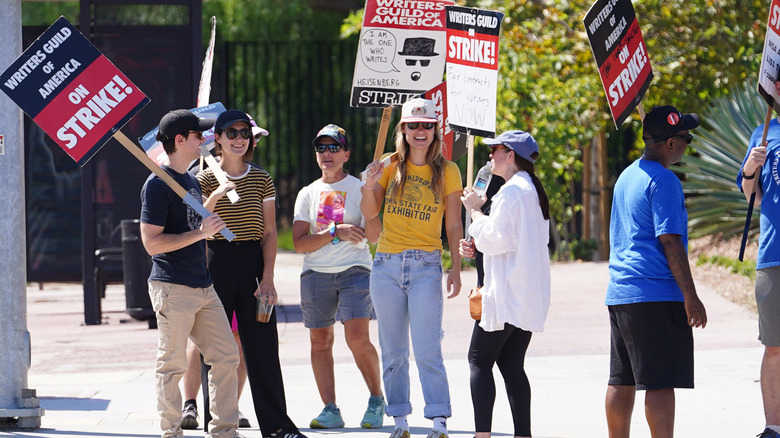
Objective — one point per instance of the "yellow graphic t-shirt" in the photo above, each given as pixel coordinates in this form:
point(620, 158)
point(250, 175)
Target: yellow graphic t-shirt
point(414, 221)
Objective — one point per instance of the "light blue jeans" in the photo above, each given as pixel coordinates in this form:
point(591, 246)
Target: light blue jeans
point(407, 293)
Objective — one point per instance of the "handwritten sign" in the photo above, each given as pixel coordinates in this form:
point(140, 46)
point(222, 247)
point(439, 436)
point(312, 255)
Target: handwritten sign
point(620, 53)
point(401, 51)
point(770, 59)
point(472, 69)
point(72, 91)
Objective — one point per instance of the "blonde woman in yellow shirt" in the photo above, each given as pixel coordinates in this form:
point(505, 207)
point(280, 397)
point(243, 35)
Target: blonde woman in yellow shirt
point(417, 190)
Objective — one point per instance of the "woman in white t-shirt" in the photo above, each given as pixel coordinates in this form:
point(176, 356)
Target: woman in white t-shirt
point(329, 228)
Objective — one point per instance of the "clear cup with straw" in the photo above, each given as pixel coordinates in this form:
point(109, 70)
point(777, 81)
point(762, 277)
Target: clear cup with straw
point(264, 307)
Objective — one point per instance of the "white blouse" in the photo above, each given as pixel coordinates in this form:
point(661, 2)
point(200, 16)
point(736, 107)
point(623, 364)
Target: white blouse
point(513, 239)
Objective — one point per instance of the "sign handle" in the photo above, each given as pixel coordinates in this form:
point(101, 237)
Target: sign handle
point(175, 186)
point(381, 138)
point(641, 109)
point(753, 194)
point(469, 179)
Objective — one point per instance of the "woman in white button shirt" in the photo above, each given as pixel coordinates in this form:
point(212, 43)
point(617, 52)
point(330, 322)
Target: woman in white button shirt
point(516, 294)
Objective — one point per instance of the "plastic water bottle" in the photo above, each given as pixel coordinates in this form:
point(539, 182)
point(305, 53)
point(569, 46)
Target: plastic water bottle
point(483, 179)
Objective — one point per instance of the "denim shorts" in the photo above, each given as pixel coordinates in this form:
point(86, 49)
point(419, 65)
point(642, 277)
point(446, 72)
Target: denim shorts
point(322, 294)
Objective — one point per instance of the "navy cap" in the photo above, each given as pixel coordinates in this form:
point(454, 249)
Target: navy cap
point(666, 121)
point(521, 142)
point(229, 117)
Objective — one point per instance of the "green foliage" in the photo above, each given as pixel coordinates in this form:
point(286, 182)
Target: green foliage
point(746, 268)
point(270, 20)
point(46, 13)
point(285, 240)
point(715, 204)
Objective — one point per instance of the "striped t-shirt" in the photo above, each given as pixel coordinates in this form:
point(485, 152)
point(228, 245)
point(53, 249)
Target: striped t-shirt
point(245, 217)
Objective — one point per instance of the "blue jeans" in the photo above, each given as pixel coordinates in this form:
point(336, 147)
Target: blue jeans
point(407, 293)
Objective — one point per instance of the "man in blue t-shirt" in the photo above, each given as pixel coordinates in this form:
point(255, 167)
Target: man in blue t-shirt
point(760, 173)
point(184, 300)
point(651, 297)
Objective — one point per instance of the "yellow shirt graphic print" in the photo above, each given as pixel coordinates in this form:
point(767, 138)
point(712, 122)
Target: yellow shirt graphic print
point(414, 219)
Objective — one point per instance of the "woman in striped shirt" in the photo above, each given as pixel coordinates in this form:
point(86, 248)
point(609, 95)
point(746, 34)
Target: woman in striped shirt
point(243, 269)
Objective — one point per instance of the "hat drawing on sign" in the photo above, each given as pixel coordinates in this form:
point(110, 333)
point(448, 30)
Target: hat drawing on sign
point(419, 47)
point(521, 142)
point(666, 121)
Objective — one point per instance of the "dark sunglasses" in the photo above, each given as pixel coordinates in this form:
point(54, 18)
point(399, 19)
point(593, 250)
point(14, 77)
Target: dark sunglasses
point(425, 125)
point(688, 138)
point(495, 147)
point(423, 62)
point(333, 148)
point(232, 133)
point(196, 133)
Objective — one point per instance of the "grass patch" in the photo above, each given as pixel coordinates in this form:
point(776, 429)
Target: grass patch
point(285, 240)
point(746, 268)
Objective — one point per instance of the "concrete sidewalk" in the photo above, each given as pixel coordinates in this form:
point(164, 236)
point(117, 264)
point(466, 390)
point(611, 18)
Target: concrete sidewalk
point(98, 381)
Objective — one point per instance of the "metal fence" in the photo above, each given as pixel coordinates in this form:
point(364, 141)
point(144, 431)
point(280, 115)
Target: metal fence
point(294, 88)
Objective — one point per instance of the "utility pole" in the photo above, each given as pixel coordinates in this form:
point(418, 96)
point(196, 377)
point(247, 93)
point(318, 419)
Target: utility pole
point(19, 406)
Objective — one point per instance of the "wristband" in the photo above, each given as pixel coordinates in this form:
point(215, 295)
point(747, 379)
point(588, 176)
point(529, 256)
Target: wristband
point(332, 231)
point(748, 177)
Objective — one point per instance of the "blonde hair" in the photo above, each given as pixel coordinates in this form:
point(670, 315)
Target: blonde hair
point(434, 158)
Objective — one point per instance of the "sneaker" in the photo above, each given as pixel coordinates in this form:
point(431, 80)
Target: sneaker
point(242, 420)
point(437, 434)
point(400, 433)
point(329, 418)
point(768, 433)
point(189, 416)
point(375, 412)
point(287, 434)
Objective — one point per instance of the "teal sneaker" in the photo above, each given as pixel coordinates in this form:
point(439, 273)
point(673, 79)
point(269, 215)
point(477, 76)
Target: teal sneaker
point(329, 418)
point(375, 413)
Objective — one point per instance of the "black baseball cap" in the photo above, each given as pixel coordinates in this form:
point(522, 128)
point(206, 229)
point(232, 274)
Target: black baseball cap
point(229, 117)
point(666, 121)
point(179, 122)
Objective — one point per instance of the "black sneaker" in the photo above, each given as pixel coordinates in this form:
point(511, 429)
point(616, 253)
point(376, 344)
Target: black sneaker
point(189, 416)
point(243, 421)
point(287, 434)
point(768, 433)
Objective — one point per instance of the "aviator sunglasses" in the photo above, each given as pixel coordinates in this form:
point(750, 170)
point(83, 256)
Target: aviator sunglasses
point(425, 125)
point(232, 133)
point(333, 148)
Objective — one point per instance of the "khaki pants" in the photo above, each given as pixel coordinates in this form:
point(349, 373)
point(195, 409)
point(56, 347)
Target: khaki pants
point(184, 312)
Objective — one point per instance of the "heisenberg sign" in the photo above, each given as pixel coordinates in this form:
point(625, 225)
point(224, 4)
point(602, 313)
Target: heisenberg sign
point(401, 51)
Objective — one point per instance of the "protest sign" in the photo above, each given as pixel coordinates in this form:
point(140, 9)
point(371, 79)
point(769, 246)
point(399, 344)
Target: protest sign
point(72, 91)
point(154, 148)
point(400, 53)
point(770, 59)
point(453, 142)
point(472, 69)
point(620, 53)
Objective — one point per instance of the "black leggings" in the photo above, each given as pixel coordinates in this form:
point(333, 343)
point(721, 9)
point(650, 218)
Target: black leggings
point(506, 348)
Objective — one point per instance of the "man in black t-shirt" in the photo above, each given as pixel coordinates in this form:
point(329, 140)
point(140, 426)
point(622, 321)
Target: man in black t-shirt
point(180, 285)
